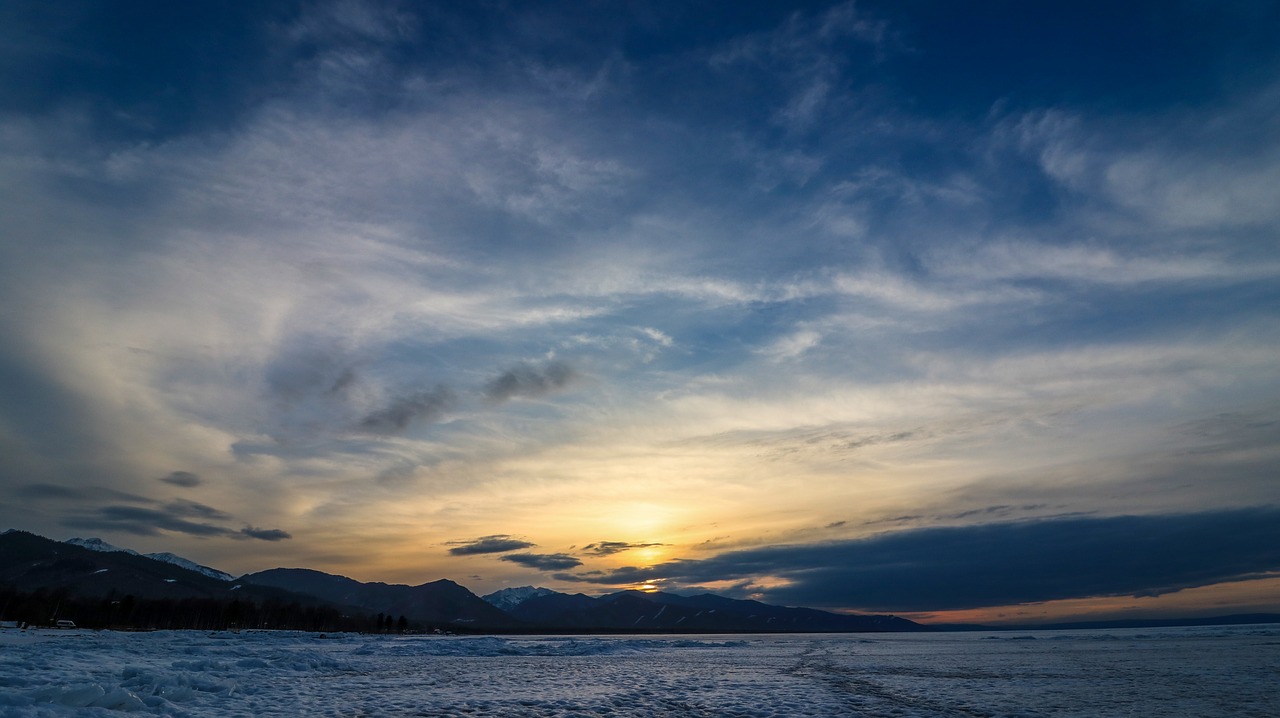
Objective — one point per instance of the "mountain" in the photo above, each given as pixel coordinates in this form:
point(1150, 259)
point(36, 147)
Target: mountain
point(97, 544)
point(29, 563)
point(657, 611)
point(440, 602)
point(753, 615)
point(92, 568)
point(508, 598)
point(191, 565)
point(552, 609)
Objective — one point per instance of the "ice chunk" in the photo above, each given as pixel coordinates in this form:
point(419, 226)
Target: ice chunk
point(119, 699)
point(78, 696)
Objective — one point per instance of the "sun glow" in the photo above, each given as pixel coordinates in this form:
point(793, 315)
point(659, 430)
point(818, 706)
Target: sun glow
point(647, 555)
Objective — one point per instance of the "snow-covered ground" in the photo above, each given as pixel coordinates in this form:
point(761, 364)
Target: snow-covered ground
point(1156, 672)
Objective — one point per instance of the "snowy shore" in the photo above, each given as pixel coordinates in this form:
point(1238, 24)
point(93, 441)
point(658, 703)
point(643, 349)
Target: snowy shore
point(1167, 672)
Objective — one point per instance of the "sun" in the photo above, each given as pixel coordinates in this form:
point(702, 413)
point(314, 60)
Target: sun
point(646, 555)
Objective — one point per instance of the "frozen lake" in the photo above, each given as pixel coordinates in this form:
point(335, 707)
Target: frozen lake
point(1218, 671)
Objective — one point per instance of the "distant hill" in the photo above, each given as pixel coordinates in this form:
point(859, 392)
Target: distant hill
point(31, 563)
point(92, 569)
point(97, 544)
point(191, 565)
point(440, 602)
point(508, 598)
point(658, 611)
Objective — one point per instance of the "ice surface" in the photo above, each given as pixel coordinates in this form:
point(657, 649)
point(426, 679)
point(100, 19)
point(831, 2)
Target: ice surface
point(1216, 671)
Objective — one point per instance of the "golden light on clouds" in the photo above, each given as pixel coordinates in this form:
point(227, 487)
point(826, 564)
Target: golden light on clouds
point(406, 300)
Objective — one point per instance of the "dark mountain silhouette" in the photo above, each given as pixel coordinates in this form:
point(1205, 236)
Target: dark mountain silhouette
point(551, 608)
point(762, 616)
point(658, 611)
point(437, 603)
point(30, 563)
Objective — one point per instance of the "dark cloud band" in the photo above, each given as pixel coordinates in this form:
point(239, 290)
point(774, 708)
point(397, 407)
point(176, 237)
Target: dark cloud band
point(543, 561)
point(185, 479)
point(488, 544)
point(997, 564)
point(175, 517)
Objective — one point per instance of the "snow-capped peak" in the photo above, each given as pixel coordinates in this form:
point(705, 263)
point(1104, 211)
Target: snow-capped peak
point(97, 544)
point(508, 598)
point(190, 565)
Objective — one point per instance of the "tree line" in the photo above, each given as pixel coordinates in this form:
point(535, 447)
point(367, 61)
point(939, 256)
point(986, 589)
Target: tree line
point(45, 607)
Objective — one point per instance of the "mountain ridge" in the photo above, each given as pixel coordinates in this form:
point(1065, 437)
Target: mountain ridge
point(95, 569)
point(97, 544)
point(440, 602)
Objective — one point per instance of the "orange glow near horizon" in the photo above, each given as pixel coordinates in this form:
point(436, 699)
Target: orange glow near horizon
point(1256, 596)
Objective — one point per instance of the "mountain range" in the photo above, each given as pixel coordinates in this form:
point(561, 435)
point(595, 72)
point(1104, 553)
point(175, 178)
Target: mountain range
point(97, 544)
point(93, 568)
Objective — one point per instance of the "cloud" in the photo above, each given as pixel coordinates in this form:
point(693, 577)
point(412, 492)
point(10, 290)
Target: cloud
point(543, 561)
point(498, 543)
point(43, 491)
point(185, 479)
point(847, 278)
point(192, 509)
point(423, 406)
point(50, 491)
point(174, 517)
point(146, 522)
point(309, 368)
point(791, 346)
point(265, 534)
point(998, 564)
point(609, 548)
point(529, 381)
point(624, 575)
point(807, 56)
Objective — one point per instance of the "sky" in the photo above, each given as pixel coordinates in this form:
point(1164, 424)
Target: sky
point(957, 311)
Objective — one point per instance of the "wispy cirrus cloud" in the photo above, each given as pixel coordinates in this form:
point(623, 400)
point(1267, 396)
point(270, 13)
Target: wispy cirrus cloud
point(609, 548)
point(405, 273)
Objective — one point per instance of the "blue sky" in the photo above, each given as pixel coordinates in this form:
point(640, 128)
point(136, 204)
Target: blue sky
point(690, 295)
